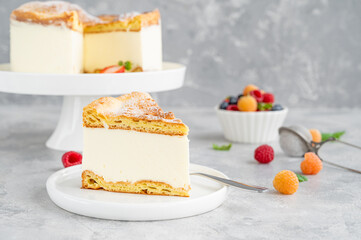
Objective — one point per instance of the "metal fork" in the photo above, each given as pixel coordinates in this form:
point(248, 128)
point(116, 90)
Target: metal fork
point(232, 183)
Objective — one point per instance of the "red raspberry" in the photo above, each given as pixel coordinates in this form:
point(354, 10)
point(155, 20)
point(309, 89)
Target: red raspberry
point(264, 154)
point(71, 158)
point(257, 94)
point(232, 108)
point(268, 98)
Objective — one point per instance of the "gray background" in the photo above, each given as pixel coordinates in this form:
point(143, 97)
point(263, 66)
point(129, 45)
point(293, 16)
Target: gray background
point(307, 52)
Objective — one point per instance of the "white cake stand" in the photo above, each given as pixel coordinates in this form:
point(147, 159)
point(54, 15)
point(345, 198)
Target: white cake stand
point(78, 90)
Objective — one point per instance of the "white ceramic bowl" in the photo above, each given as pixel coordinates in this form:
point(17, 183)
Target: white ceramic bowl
point(251, 127)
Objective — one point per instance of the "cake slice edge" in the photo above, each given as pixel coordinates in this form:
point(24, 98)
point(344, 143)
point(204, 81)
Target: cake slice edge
point(90, 180)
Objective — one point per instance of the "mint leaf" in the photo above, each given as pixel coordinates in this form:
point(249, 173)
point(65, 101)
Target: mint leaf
point(301, 178)
point(223, 147)
point(326, 136)
point(264, 106)
point(128, 65)
point(336, 135)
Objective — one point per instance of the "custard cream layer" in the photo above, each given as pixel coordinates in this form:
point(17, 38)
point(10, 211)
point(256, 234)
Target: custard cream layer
point(142, 48)
point(45, 48)
point(130, 156)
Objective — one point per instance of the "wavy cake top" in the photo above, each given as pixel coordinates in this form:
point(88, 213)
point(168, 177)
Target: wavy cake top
point(133, 22)
point(57, 13)
point(135, 111)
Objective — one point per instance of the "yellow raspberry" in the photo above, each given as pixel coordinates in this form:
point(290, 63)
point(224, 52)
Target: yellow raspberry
point(316, 135)
point(249, 88)
point(247, 104)
point(311, 165)
point(286, 182)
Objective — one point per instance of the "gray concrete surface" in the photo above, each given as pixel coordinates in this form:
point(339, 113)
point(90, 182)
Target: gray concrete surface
point(326, 207)
point(307, 52)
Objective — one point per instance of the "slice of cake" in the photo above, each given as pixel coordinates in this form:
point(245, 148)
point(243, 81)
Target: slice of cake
point(47, 37)
point(131, 145)
point(134, 38)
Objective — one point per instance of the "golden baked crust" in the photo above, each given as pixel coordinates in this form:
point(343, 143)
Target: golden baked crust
point(127, 22)
point(90, 180)
point(135, 111)
point(54, 13)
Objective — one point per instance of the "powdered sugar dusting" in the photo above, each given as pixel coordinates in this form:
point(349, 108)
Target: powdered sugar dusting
point(56, 7)
point(121, 17)
point(52, 8)
point(127, 15)
point(134, 105)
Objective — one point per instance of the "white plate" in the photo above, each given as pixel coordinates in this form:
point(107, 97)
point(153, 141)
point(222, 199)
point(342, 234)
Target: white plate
point(170, 77)
point(64, 189)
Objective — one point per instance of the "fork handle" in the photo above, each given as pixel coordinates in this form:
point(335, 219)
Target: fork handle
point(233, 183)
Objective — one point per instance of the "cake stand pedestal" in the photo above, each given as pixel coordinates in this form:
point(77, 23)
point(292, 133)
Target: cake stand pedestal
point(78, 90)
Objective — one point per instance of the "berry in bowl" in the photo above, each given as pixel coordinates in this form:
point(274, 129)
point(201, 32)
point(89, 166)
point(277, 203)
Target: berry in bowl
point(251, 117)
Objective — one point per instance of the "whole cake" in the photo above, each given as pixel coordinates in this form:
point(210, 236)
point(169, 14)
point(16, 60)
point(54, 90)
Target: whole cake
point(60, 37)
point(131, 145)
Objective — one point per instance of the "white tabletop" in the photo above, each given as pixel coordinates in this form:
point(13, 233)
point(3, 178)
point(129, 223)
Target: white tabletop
point(326, 207)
